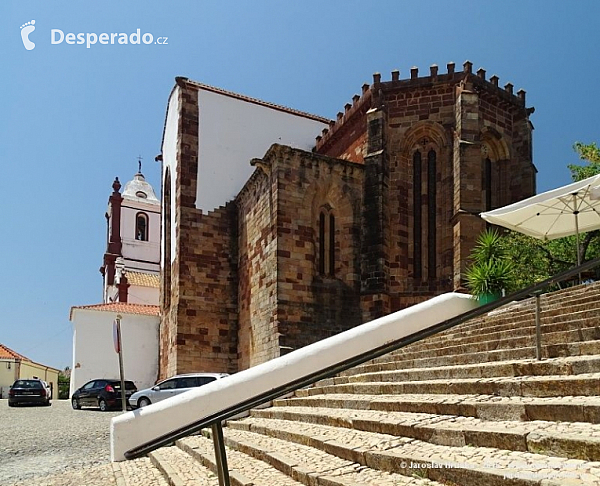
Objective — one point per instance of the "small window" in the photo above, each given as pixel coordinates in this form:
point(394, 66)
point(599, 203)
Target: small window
point(141, 194)
point(141, 227)
point(327, 244)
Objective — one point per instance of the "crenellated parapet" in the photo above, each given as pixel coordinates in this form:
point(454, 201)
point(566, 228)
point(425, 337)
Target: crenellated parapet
point(375, 95)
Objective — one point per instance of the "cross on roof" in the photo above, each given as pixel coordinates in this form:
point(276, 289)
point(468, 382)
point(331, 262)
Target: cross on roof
point(139, 164)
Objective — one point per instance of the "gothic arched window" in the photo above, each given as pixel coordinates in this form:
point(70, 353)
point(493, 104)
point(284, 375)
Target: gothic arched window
point(431, 214)
point(141, 227)
point(326, 243)
point(417, 216)
point(424, 194)
point(487, 183)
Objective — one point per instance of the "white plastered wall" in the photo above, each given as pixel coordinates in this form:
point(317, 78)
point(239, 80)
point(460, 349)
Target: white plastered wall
point(147, 251)
point(169, 156)
point(143, 295)
point(234, 131)
point(94, 354)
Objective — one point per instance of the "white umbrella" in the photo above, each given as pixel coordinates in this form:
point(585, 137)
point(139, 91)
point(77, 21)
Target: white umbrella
point(568, 210)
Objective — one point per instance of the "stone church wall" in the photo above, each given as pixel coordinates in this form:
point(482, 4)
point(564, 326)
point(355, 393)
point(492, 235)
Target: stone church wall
point(257, 302)
point(416, 242)
point(199, 323)
point(316, 300)
point(381, 215)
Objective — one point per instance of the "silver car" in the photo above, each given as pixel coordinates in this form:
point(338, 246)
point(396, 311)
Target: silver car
point(171, 387)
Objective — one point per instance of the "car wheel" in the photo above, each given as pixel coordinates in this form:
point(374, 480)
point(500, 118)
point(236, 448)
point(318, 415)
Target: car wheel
point(11, 404)
point(102, 404)
point(48, 403)
point(75, 404)
point(144, 402)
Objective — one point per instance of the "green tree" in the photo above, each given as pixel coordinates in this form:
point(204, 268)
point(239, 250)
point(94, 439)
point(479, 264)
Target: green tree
point(535, 260)
point(64, 380)
point(591, 154)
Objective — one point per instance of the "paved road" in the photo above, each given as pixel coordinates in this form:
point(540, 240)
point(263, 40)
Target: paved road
point(40, 441)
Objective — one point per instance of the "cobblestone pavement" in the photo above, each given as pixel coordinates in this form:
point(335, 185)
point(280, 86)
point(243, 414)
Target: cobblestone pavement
point(38, 442)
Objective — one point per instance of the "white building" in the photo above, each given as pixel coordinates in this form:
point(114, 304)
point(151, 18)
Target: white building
point(130, 271)
point(94, 354)
point(131, 265)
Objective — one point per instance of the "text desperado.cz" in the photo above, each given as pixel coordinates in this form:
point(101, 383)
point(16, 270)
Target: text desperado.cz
point(57, 36)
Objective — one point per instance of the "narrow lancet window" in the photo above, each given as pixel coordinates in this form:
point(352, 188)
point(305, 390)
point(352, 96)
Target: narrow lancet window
point(417, 216)
point(331, 245)
point(487, 184)
point(431, 214)
point(322, 244)
point(326, 244)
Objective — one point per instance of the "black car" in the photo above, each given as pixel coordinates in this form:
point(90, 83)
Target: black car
point(102, 393)
point(28, 391)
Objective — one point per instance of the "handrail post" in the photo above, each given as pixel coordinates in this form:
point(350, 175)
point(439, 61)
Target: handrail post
point(220, 454)
point(538, 329)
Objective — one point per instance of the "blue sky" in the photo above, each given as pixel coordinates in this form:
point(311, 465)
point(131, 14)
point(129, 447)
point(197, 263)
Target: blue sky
point(76, 117)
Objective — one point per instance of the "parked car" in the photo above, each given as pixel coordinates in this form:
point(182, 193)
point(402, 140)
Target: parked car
point(171, 387)
point(28, 391)
point(47, 387)
point(102, 393)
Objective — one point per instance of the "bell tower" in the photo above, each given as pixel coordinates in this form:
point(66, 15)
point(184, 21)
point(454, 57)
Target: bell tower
point(131, 265)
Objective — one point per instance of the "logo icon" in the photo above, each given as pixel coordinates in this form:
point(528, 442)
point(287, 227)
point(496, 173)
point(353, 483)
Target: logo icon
point(27, 29)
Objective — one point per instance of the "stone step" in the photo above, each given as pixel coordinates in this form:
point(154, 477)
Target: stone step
point(567, 296)
point(511, 342)
point(505, 317)
point(268, 462)
point(180, 469)
point(394, 371)
point(467, 466)
point(577, 440)
point(485, 407)
point(571, 293)
point(505, 349)
point(563, 350)
point(576, 321)
point(243, 469)
point(584, 384)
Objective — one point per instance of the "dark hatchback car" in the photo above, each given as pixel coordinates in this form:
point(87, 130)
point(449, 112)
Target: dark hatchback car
point(102, 393)
point(28, 391)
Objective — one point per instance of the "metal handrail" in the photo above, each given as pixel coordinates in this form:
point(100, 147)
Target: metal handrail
point(333, 370)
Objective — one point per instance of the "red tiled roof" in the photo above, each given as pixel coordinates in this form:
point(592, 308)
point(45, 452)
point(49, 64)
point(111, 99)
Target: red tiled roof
point(6, 352)
point(121, 307)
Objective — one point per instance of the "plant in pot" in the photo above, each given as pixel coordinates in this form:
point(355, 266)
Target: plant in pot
point(491, 270)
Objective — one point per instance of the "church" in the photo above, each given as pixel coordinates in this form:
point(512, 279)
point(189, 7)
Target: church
point(130, 275)
point(281, 228)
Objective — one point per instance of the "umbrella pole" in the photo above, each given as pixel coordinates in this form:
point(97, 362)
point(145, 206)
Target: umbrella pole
point(576, 213)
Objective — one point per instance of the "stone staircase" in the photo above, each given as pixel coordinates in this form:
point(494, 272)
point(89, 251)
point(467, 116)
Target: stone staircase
point(470, 406)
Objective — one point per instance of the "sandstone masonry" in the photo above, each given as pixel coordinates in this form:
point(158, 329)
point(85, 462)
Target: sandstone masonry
point(381, 214)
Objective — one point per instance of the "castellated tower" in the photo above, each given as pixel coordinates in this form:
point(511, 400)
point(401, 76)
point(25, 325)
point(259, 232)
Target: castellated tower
point(313, 238)
point(437, 150)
